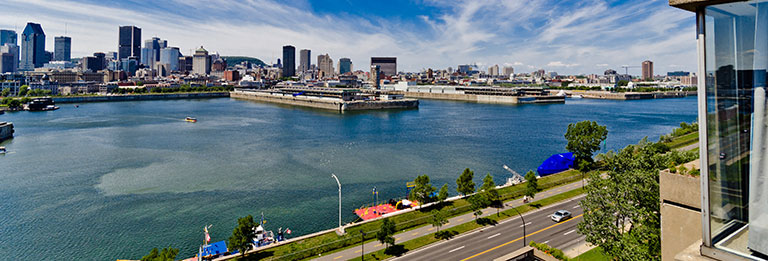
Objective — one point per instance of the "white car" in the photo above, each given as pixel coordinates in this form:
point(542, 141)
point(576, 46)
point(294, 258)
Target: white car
point(561, 215)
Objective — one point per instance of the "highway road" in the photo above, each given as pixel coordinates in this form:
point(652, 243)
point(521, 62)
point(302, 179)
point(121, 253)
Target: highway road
point(400, 237)
point(506, 237)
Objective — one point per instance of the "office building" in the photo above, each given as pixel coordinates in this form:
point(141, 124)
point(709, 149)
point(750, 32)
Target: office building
point(387, 65)
point(728, 218)
point(8, 37)
point(289, 61)
point(508, 71)
point(101, 59)
point(62, 48)
point(91, 63)
point(147, 57)
point(345, 65)
point(129, 42)
point(201, 63)
point(678, 74)
point(170, 57)
point(129, 65)
point(647, 70)
point(186, 64)
point(325, 65)
point(305, 60)
point(11, 63)
point(376, 76)
point(154, 46)
point(493, 70)
point(32, 47)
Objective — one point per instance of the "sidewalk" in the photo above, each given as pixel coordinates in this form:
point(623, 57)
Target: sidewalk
point(403, 236)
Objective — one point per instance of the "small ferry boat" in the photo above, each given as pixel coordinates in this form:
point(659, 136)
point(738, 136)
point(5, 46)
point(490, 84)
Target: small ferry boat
point(190, 119)
point(41, 104)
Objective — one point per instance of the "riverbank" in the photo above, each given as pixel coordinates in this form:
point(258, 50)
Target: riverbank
point(325, 102)
point(140, 97)
point(606, 95)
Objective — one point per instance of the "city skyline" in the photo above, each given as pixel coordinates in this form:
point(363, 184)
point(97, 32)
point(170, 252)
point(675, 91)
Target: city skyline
point(567, 37)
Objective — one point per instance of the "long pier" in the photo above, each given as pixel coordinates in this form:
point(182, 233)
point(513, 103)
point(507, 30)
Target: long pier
point(325, 102)
point(606, 95)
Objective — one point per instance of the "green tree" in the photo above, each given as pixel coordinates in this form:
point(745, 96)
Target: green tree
point(422, 192)
point(167, 254)
point(242, 235)
point(385, 234)
point(442, 195)
point(14, 103)
point(489, 188)
point(465, 185)
point(5, 92)
point(477, 203)
point(439, 218)
point(6, 100)
point(622, 213)
point(623, 83)
point(531, 184)
point(23, 90)
point(584, 138)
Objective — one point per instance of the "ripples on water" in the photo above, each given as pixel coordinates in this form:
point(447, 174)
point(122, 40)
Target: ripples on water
point(113, 180)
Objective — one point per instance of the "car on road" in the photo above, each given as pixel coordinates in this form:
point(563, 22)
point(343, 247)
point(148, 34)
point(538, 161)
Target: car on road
point(561, 215)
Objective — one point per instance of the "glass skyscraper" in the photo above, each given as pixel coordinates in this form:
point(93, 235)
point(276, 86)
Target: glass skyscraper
point(129, 42)
point(170, 57)
point(345, 65)
point(289, 61)
point(32, 47)
point(8, 37)
point(62, 50)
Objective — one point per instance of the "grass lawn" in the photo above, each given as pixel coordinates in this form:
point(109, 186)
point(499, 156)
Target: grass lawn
point(592, 255)
point(684, 140)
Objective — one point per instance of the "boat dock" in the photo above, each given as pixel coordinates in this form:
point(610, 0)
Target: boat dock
point(607, 95)
point(338, 99)
point(6, 130)
point(479, 94)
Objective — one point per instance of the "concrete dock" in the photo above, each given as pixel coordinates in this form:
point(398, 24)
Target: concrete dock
point(324, 100)
point(6, 130)
point(606, 95)
point(479, 94)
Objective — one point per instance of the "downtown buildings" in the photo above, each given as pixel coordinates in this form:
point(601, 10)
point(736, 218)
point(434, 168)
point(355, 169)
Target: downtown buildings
point(32, 47)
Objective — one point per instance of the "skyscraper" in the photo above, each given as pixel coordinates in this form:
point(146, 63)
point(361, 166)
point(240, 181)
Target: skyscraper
point(304, 60)
point(289, 61)
point(8, 37)
point(387, 65)
point(170, 57)
point(493, 70)
point(129, 42)
point(10, 53)
point(201, 63)
point(102, 59)
point(345, 65)
point(147, 57)
point(647, 70)
point(62, 48)
point(508, 70)
point(32, 47)
point(154, 45)
point(325, 65)
point(376, 75)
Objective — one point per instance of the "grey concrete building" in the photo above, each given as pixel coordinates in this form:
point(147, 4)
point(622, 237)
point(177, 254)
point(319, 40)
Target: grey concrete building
point(62, 48)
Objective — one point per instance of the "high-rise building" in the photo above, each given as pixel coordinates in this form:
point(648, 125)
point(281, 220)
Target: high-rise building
point(154, 45)
point(325, 65)
point(305, 59)
point(387, 65)
point(201, 62)
point(147, 57)
point(647, 70)
point(101, 59)
point(376, 75)
point(91, 63)
point(32, 47)
point(493, 70)
point(129, 65)
point(10, 63)
point(508, 70)
point(345, 65)
point(185, 63)
point(170, 57)
point(289, 61)
point(129, 42)
point(8, 37)
point(62, 48)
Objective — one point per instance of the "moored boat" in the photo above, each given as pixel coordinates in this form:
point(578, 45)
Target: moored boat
point(190, 119)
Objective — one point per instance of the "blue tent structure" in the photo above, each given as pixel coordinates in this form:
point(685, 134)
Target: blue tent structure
point(215, 249)
point(556, 163)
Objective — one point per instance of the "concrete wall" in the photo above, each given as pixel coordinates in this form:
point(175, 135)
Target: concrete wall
point(680, 211)
point(327, 104)
point(6, 131)
point(140, 97)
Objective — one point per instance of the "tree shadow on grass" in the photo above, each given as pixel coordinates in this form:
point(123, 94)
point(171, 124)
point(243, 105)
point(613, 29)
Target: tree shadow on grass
point(486, 222)
point(396, 250)
point(446, 234)
point(535, 205)
point(257, 256)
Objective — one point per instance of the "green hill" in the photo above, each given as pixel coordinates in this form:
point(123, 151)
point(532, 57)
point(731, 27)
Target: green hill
point(232, 60)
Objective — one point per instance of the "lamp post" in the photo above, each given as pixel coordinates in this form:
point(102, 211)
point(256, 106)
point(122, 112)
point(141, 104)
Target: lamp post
point(338, 183)
point(521, 217)
point(362, 245)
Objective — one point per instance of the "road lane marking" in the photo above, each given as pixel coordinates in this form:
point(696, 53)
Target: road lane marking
point(497, 234)
point(461, 219)
point(414, 233)
point(566, 233)
point(576, 206)
point(378, 245)
point(545, 242)
point(525, 224)
point(456, 249)
point(549, 192)
point(398, 238)
point(337, 257)
point(430, 229)
point(520, 238)
point(358, 251)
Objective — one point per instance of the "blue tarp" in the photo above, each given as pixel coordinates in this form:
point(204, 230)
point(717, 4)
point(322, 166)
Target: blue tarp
point(215, 248)
point(556, 163)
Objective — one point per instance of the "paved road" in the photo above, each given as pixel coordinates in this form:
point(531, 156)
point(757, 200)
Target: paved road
point(506, 237)
point(424, 230)
point(689, 147)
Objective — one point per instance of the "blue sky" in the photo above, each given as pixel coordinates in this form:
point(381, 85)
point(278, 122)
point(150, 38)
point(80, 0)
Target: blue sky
point(569, 37)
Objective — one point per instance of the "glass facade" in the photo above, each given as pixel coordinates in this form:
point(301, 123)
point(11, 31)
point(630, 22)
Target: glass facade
point(736, 59)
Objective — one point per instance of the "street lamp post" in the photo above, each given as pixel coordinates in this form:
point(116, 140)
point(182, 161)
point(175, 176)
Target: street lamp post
point(338, 183)
point(521, 217)
point(362, 245)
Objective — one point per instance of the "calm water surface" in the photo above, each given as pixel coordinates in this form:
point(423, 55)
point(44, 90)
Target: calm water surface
point(113, 180)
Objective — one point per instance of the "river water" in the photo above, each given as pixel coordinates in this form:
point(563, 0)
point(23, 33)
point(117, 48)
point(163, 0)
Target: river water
point(112, 180)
